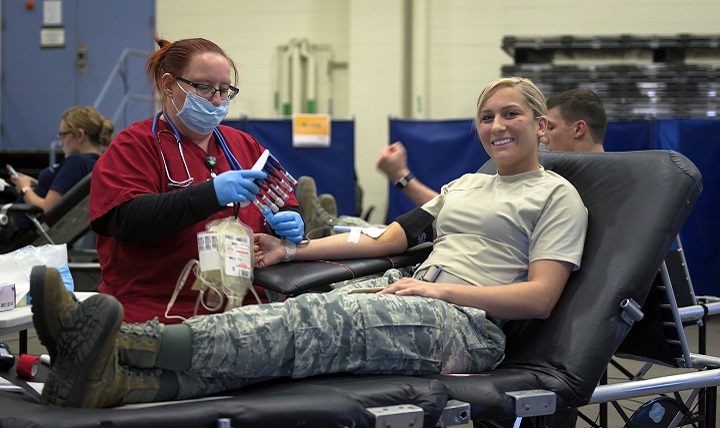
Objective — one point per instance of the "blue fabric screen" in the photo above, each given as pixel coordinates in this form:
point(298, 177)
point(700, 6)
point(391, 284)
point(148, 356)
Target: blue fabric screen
point(629, 135)
point(442, 150)
point(699, 140)
point(439, 151)
point(333, 168)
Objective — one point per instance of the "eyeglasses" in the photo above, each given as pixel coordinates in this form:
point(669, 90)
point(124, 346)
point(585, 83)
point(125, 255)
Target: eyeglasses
point(207, 91)
point(62, 135)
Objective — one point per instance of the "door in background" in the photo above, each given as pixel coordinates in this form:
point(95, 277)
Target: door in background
point(39, 83)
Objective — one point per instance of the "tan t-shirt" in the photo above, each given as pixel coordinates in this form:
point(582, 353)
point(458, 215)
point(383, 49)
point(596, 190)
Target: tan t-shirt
point(490, 227)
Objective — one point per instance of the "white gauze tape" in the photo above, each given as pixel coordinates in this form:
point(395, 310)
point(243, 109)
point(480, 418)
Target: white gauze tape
point(354, 236)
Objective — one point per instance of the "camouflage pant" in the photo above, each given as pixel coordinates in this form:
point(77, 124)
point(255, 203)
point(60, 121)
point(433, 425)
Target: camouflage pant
point(336, 332)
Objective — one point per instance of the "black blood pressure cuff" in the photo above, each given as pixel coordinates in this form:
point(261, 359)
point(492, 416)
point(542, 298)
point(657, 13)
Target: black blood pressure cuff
point(418, 226)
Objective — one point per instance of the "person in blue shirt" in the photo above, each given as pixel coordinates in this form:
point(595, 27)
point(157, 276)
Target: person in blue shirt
point(83, 134)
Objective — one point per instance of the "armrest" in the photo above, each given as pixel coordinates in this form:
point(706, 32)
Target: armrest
point(297, 277)
point(21, 208)
point(7, 210)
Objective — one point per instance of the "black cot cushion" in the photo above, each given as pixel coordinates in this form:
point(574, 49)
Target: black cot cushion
point(332, 401)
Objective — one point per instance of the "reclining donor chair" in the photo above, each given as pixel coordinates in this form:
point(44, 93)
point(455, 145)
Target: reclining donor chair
point(637, 203)
point(65, 222)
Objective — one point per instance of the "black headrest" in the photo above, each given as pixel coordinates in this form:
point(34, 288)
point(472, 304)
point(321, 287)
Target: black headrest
point(78, 194)
point(69, 218)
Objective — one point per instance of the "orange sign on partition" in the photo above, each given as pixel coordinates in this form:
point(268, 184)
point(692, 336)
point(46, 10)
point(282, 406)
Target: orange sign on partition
point(311, 130)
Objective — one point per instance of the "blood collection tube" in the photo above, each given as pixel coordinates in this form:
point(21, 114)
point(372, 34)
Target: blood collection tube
point(282, 170)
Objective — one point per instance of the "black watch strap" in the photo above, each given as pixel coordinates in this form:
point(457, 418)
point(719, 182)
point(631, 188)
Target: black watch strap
point(403, 182)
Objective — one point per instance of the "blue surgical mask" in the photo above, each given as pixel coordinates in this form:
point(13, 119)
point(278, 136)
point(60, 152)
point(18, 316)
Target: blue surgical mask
point(199, 114)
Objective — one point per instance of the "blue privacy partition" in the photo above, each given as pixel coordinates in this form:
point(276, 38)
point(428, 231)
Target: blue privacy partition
point(442, 150)
point(439, 151)
point(333, 168)
point(629, 135)
point(699, 140)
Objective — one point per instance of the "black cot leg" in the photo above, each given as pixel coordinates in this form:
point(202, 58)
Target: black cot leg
point(23, 342)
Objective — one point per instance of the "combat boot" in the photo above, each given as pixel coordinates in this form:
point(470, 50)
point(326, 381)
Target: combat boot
point(318, 221)
point(86, 372)
point(305, 193)
point(139, 344)
point(46, 285)
point(327, 202)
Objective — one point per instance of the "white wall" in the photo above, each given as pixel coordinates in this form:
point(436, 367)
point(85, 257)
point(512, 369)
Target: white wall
point(461, 50)
point(250, 32)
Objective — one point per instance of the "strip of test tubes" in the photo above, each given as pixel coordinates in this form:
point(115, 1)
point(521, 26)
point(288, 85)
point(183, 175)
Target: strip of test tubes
point(275, 189)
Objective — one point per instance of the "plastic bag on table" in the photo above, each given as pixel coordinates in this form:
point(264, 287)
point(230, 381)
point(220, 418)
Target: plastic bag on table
point(15, 267)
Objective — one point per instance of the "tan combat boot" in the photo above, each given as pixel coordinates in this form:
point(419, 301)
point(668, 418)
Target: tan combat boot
point(327, 202)
point(46, 285)
point(139, 344)
point(85, 370)
point(318, 221)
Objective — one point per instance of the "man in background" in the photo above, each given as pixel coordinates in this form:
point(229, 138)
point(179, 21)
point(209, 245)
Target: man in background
point(576, 122)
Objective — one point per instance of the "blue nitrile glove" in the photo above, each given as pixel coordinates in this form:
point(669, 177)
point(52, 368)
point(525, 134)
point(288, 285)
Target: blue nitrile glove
point(288, 224)
point(237, 186)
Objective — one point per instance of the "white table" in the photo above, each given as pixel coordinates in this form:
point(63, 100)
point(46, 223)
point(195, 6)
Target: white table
point(20, 319)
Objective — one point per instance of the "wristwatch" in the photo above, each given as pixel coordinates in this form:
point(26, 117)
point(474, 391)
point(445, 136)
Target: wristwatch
point(403, 182)
point(25, 189)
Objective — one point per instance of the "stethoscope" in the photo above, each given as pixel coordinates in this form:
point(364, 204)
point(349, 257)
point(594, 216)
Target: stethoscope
point(234, 164)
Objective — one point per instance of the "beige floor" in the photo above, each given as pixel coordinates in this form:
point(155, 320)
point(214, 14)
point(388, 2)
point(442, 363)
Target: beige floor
point(615, 421)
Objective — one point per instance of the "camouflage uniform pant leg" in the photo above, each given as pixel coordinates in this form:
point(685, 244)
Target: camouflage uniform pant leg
point(336, 332)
